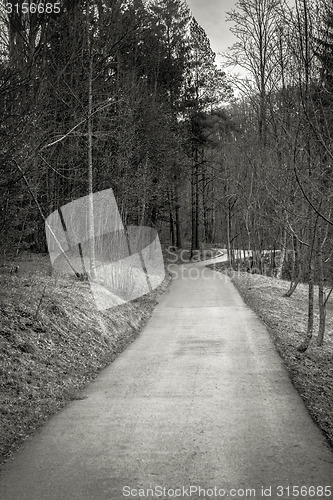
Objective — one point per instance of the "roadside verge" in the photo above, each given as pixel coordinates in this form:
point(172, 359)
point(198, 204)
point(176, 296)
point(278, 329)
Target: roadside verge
point(53, 341)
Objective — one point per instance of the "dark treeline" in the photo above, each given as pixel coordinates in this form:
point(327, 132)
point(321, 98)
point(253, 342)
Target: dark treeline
point(126, 94)
point(280, 177)
point(105, 94)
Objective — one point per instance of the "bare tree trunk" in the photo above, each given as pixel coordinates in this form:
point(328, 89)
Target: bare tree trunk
point(178, 223)
point(144, 194)
point(282, 254)
point(311, 301)
point(213, 214)
point(172, 224)
point(297, 269)
point(305, 37)
point(229, 229)
point(91, 228)
point(321, 292)
point(304, 346)
point(249, 249)
point(194, 227)
point(172, 229)
point(195, 202)
point(206, 236)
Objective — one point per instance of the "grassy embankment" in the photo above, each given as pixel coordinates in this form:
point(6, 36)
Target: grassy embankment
point(286, 318)
point(51, 348)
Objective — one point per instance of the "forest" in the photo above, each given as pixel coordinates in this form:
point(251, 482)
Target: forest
point(126, 94)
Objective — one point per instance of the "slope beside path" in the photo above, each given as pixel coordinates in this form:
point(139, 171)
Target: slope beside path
point(199, 406)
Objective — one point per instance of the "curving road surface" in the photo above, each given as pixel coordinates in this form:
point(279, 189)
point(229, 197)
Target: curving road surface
point(199, 406)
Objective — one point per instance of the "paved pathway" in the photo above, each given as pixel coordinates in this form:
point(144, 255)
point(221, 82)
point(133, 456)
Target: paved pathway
point(200, 401)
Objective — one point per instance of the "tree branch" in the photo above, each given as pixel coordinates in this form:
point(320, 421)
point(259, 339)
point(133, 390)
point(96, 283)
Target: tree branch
point(316, 210)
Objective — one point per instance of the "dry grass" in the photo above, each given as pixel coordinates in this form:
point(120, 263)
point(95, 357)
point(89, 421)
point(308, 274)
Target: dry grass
point(47, 358)
point(286, 319)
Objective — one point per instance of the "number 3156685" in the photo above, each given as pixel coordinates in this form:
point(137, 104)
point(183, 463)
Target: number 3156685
point(33, 8)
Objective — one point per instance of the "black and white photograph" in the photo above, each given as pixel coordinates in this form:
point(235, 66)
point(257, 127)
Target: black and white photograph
point(166, 249)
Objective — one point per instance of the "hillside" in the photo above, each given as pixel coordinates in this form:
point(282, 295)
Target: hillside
point(53, 341)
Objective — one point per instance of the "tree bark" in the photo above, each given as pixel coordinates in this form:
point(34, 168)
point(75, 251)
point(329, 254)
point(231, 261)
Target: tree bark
point(178, 222)
point(229, 229)
point(304, 346)
point(171, 220)
point(195, 202)
point(282, 253)
point(297, 269)
point(321, 292)
point(91, 228)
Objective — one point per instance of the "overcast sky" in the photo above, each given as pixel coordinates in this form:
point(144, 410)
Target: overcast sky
point(211, 15)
